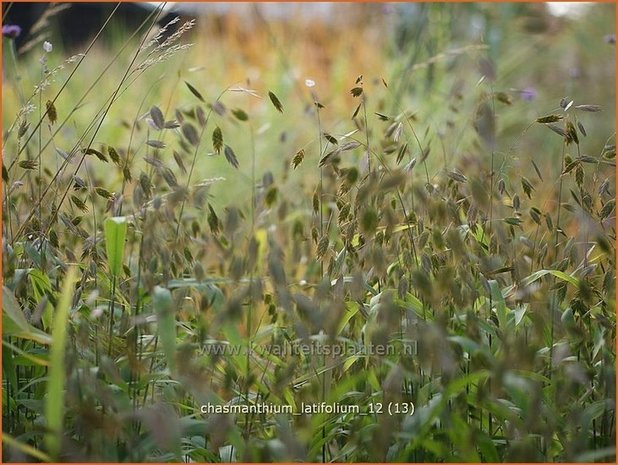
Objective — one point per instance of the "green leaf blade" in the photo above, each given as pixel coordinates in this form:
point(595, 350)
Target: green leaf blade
point(115, 234)
point(164, 309)
point(54, 403)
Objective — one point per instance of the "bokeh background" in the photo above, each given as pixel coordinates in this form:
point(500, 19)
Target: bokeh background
point(431, 55)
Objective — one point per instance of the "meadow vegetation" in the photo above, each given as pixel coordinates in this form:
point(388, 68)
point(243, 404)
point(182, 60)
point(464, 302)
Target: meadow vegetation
point(182, 212)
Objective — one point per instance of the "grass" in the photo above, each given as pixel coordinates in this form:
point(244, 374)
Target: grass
point(408, 241)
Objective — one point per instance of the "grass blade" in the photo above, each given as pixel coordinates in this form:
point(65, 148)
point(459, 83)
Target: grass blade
point(14, 322)
point(115, 233)
point(54, 403)
point(25, 448)
point(164, 308)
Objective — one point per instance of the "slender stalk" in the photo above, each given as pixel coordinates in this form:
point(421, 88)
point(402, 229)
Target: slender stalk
point(248, 418)
point(129, 159)
point(321, 196)
point(20, 94)
point(94, 40)
point(321, 215)
point(324, 400)
point(40, 167)
point(489, 237)
point(195, 153)
point(366, 132)
point(137, 343)
point(8, 228)
point(103, 113)
point(111, 316)
point(553, 303)
point(152, 361)
point(11, 45)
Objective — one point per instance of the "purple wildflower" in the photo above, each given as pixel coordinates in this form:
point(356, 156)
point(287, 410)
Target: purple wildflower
point(11, 31)
point(528, 94)
point(610, 39)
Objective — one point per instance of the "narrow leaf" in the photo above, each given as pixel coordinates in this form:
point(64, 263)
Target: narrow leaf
point(558, 274)
point(115, 233)
point(54, 402)
point(166, 323)
point(536, 168)
point(194, 91)
point(499, 302)
point(14, 322)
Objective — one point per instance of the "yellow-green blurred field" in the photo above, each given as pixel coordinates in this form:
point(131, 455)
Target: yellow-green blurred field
point(439, 71)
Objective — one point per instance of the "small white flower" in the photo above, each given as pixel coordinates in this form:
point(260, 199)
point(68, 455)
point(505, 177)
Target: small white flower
point(309, 82)
point(47, 46)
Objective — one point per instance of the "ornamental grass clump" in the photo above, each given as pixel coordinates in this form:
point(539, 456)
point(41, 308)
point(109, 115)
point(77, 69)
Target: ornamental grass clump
point(417, 255)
